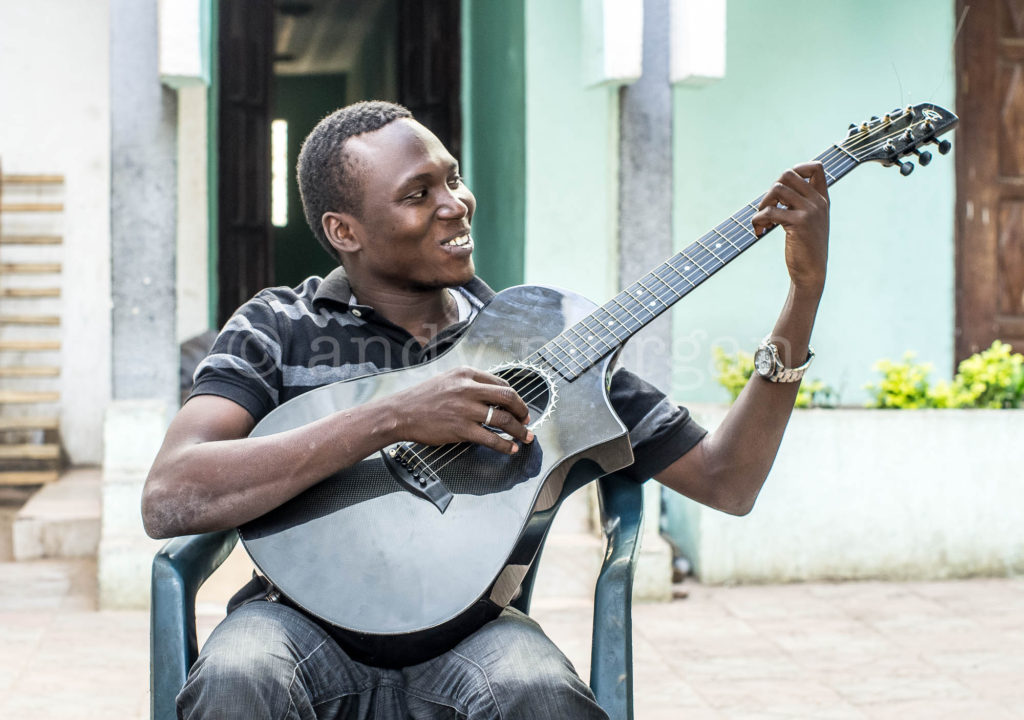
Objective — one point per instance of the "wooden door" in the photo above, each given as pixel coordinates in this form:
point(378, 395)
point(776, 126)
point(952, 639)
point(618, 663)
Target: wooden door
point(245, 254)
point(429, 67)
point(990, 176)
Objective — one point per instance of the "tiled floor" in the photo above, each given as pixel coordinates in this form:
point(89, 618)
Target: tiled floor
point(846, 650)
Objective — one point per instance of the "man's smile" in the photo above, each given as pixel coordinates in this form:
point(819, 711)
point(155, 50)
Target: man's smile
point(461, 240)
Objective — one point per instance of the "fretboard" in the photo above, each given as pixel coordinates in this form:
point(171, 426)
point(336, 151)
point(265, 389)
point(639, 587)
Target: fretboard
point(584, 344)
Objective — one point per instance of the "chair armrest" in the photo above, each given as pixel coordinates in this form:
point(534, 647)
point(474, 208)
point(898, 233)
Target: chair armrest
point(611, 662)
point(179, 568)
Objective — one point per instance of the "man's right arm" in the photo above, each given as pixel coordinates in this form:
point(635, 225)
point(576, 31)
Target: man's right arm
point(209, 475)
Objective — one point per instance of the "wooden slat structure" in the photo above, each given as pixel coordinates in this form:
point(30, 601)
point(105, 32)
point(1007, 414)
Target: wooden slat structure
point(27, 477)
point(33, 207)
point(30, 292)
point(30, 450)
point(29, 319)
point(29, 268)
point(31, 239)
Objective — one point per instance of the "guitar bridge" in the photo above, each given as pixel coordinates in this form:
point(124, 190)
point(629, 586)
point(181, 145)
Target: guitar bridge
point(413, 473)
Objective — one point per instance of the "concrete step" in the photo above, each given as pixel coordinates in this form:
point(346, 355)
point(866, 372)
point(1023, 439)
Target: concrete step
point(62, 519)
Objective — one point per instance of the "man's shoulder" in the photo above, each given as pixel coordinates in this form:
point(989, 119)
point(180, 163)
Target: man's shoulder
point(304, 292)
point(282, 301)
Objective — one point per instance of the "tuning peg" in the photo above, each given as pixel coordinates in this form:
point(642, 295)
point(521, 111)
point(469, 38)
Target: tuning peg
point(905, 167)
point(944, 145)
point(923, 157)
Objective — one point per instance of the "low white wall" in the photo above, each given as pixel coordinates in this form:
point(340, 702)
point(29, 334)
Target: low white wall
point(871, 494)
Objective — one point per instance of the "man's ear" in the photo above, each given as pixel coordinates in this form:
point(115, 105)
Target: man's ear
point(342, 231)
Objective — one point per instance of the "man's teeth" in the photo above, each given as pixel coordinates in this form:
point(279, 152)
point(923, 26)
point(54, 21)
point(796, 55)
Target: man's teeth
point(460, 240)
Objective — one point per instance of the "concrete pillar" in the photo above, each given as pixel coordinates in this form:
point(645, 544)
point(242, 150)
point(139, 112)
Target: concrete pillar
point(144, 349)
point(645, 240)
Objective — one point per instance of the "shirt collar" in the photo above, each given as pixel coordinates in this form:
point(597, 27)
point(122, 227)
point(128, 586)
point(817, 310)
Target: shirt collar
point(336, 290)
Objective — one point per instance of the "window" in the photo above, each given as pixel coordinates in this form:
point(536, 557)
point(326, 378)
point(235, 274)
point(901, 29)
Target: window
point(279, 173)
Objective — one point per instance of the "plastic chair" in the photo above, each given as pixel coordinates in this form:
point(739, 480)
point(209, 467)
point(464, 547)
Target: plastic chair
point(184, 563)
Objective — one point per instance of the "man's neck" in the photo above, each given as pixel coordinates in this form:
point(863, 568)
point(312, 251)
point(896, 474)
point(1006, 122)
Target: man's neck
point(423, 313)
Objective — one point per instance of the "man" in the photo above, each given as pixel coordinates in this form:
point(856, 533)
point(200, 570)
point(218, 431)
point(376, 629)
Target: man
point(385, 197)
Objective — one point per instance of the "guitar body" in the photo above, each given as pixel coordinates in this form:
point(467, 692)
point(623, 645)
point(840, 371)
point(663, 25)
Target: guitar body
point(399, 576)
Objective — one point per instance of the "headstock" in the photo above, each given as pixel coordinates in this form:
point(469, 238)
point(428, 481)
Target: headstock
point(900, 133)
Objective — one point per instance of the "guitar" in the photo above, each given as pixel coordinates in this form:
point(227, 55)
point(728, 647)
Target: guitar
point(414, 548)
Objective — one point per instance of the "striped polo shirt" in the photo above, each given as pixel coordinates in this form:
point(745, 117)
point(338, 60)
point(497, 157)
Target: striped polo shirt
point(287, 341)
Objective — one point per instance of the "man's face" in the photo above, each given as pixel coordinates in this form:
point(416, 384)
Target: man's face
point(413, 225)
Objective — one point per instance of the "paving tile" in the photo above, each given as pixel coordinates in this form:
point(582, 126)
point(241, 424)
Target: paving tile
point(820, 650)
point(941, 710)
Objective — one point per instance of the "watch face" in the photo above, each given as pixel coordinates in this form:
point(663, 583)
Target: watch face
point(764, 362)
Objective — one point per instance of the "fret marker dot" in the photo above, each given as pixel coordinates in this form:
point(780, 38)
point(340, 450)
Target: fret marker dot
point(610, 323)
point(572, 351)
point(653, 303)
point(718, 245)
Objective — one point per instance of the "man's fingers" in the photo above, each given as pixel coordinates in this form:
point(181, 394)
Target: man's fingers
point(486, 378)
point(482, 436)
point(505, 422)
point(504, 397)
point(814, 172)
point(782, 194)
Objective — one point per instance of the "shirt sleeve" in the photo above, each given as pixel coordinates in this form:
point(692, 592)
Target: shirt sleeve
point(244, 364)
point(659, 431)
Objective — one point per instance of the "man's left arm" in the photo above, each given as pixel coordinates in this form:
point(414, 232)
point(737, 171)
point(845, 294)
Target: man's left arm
point(727, 468)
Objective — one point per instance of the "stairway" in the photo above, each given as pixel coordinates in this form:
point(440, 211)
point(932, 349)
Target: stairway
point(31, 245)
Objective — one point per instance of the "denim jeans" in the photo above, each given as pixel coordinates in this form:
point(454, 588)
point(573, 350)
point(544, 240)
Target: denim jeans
point(267, 660)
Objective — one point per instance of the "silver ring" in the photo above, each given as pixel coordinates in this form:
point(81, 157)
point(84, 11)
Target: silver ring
point(490, 414)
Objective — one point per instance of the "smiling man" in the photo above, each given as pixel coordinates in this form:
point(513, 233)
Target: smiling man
point(385, 198)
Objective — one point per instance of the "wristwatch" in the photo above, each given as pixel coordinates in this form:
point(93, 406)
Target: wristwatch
point(770, 367)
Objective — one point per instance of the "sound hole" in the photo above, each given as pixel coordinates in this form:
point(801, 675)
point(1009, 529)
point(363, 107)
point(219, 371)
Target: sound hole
point(532, 386)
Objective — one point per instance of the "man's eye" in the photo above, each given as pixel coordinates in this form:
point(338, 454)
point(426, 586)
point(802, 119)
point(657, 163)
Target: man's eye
point(418, 195)
point(455, 181)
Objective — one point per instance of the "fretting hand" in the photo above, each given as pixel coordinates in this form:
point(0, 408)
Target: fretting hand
point(798, 201)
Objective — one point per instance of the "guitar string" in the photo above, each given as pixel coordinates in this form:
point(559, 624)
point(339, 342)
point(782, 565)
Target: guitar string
point(673, 291)
point(702, 253)
point(836, 151)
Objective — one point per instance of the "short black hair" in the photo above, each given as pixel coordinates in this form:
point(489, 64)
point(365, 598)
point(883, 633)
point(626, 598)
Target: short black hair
point(328, 176)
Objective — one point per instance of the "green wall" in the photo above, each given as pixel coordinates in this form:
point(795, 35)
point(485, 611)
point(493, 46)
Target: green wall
point(798, 72)
point(494, 134)
point(571, 158)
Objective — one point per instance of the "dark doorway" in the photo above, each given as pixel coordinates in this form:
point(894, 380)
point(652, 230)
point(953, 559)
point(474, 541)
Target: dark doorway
point(330, 54)
point(244, 241)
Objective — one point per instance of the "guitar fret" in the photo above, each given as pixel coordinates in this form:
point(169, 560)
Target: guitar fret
point(656, 300)
point(725, 237)
point(705, 247)
point(628, 311)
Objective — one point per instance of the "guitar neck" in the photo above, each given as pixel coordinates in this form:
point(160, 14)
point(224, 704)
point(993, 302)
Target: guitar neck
point(605, 330)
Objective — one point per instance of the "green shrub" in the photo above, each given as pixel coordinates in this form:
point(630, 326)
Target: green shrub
point(904, 385)
point(733, 372)
point(992, 378)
